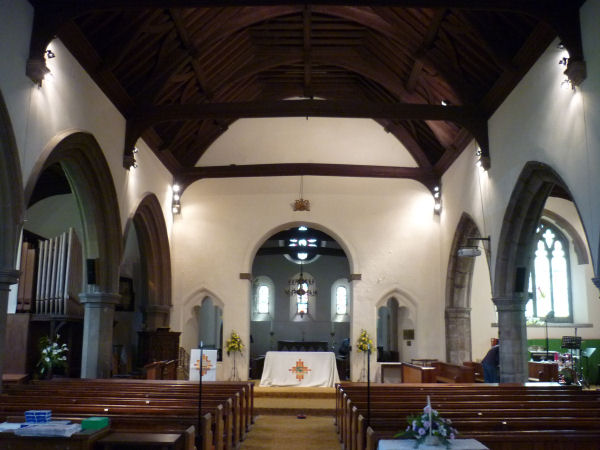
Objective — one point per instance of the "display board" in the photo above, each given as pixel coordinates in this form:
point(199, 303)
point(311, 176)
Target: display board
point(209, 365)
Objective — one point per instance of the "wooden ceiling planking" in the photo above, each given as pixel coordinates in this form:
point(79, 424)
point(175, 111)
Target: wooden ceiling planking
point(172, 53)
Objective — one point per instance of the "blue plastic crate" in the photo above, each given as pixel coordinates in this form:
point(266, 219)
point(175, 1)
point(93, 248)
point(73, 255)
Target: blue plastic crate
point(38, 416)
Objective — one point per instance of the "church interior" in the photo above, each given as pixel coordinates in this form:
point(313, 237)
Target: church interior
point(398, 184)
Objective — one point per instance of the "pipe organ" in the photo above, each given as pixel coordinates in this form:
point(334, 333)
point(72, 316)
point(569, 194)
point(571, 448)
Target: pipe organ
point(59, 275)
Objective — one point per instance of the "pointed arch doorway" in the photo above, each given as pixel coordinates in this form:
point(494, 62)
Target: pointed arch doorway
point(300, 295)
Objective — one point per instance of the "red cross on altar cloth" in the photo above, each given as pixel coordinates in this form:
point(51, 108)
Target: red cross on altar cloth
point(300, 370)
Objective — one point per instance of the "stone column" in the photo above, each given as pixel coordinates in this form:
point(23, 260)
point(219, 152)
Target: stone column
point(512, 332)
point(96, 358)
point(7, 278)
point(157, 316)
point(458, 335)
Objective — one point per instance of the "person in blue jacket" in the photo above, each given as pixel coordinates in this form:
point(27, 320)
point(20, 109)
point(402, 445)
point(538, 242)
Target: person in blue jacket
point(491, 365)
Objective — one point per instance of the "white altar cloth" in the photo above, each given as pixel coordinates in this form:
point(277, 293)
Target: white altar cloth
point(456, 444)
point(303, 369)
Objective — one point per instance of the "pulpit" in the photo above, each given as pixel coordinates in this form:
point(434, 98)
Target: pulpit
point(159, 345)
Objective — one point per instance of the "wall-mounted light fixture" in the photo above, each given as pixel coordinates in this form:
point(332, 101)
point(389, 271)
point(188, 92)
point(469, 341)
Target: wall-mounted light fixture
point(175, 201)
point(482, 162)
point(50, 54)
point(437, 198)
point(472, 250)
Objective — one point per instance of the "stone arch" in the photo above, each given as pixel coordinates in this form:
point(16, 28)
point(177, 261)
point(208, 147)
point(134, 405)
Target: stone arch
point(350, 254)
point(188, 315)
point(11, 217)
point(523, 212)
point(407, 310)
point(85, 166)
point(81, 158)
point(458, 293)
point(151, 229)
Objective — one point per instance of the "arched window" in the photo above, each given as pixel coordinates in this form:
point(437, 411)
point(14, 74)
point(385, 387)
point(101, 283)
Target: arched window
point(303, 292)
point(341, 300)
point(263, 299)
point(549, 280)
point(264, 291)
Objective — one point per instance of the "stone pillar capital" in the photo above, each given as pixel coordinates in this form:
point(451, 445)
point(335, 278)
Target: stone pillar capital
point(98, 299)
point(8, 277)
point(458, 313)
point(507, 303)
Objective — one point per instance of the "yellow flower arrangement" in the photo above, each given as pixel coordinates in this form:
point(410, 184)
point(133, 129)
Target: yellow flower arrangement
point(234, 343)
point(364, 341)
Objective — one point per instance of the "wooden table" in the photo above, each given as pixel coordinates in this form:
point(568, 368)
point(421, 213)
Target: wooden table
point(79, 441)
point(127, 441)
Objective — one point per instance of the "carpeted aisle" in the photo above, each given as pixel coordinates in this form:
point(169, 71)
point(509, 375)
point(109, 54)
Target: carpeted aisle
point(291, 433)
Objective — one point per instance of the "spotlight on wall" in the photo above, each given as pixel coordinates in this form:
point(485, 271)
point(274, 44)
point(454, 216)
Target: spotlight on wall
point(437, 198)
point(471, 250)
point(175, 201)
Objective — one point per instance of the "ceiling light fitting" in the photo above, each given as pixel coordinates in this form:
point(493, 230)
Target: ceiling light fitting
point(301, 204)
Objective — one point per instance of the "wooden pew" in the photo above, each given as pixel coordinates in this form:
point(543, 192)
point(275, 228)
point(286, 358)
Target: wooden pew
point(486, 406)
point(477, 370)
point(135, 398)
point(452, 373)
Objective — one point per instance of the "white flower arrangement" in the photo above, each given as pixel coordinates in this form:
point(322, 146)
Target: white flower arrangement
point(53, 356)
point(423, 427)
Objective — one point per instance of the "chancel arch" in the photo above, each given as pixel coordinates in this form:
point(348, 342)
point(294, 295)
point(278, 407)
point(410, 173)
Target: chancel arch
point(458, 290)
point(535, 184)
point(11, 217)
point(81, 159)
point(302, 263)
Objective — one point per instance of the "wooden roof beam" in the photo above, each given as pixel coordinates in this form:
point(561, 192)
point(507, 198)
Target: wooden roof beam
point(306, 18)
point(185, 177)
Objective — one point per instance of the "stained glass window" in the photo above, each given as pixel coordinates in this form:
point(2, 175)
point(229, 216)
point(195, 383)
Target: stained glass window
point(549, 279)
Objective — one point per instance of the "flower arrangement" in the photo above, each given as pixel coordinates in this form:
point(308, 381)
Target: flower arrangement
point(53, 356)
point(429, 426)
point(234, 343)
point(364, 341)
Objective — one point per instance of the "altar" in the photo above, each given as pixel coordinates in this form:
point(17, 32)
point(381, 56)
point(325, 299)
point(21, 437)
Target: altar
point(301, 369)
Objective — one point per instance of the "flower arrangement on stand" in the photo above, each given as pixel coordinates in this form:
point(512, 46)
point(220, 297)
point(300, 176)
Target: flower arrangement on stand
point(429, 428)
point(53, 356)
point(234, 345)
point(363, 344)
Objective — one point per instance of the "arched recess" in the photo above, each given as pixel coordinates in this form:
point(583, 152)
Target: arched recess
point(188, 316)
point(458, 293)
point(151, 229)
point(403, 310)
point(83, 162)
point(515, 246)
point(11, 217)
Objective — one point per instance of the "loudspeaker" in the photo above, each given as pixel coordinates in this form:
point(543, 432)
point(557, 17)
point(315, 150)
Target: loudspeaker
point(91, 271)
point(520, 279)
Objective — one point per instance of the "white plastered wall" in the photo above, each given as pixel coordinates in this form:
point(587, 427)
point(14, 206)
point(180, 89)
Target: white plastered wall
point(69, 101)
point(387, 228)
